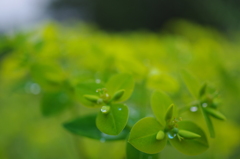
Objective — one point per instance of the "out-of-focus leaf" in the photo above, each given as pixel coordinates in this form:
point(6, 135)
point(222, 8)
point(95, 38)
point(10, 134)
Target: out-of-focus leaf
point(190, 146)
point(192, 83)
point(209, 124)
point(54, 102)
point(133, 153)
point(114, 121)
point(119, 82)
point(143, 136)
point(86, 126)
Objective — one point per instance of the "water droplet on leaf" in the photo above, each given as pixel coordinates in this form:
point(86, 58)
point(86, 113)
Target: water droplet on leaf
point(194, 109)
point(105, 109)
point(171, 135)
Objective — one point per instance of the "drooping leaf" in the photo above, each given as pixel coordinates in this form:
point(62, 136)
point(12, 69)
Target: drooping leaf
point(86, 126)
point(114, 121)
point(190, 146)
point(87, 88)
point(121, 82)
point(192, 83)
point(203, 90)
point(133, 153)
point(215, 113)
point(54, 102)
point(160, 103)
point(143, 136)
point(209, 123)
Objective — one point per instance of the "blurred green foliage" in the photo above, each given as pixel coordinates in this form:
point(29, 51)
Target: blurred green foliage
point(55, 59)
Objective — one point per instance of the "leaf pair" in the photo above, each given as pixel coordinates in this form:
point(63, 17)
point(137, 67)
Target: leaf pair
point(86, 126)
point(205, 103)
point(150, 135)
point(113, 116)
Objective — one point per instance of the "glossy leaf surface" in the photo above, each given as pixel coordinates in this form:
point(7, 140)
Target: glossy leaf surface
point(143, 136)
point(190, 146)
point(114, 121)
point(86, 126)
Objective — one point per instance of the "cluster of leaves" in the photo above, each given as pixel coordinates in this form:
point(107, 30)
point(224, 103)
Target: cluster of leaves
point(149, 135)
point(65, 68)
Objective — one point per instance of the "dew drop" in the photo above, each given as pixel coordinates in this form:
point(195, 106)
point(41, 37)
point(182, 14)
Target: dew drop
point(105, 109)
point(119, 109)
point(102, 140)
point(204, 105)
point(98, 81)
point(194, 109)
point(33, 88)
point(171, 135)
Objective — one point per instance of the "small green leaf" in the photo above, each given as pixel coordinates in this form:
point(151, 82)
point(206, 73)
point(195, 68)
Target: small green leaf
point(54, 102)
point(188, 134)
point(169, 113)
point(119, 82)
point(87, 88)
point(133, 153)
point(93, 98)
point(114, 121)
point(86, 126)
point(143, 136)
point(203, 90)
point(118, 95)
point(215, 113)
point(190, 146)
point(192, 83)
point(160, 103)
point(209, 123)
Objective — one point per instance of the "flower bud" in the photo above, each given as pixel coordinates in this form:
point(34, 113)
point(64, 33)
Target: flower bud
point(169, 113)
point(92, 98)
point(160, 135)
point(215, 113)
point(118, 95)
point(188, 134)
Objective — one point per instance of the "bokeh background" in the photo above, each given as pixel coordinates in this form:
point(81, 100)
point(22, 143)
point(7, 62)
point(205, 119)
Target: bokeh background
point(52, 45)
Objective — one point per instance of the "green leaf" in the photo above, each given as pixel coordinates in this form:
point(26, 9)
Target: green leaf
point(160, 103)
point(114, 121)
point(190, 146)
point(86, 126)
point(209, 123)
point(215, 113)
point(192, 83)
point(203, 90)
point(118, 95)
point(143, 136)
point(119, 82)
point(87, 88)
point(169, 113)
point(133, 153)
point(54, 102)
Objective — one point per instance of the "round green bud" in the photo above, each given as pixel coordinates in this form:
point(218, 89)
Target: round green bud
point(118, 95)
point(160, 135)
